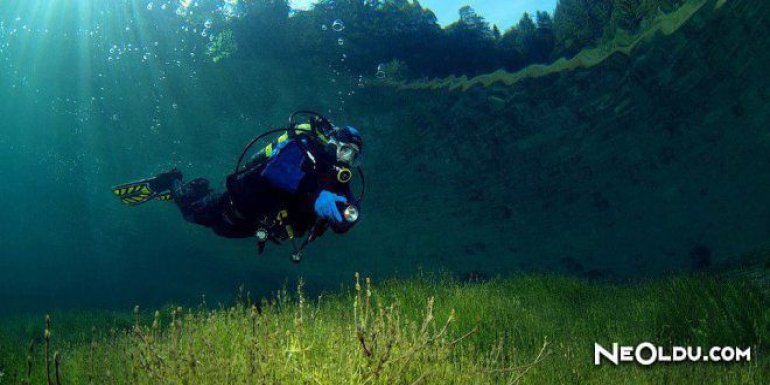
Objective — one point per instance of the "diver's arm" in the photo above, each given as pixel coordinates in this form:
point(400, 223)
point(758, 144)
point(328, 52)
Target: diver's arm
point(345, 226)
point(336, 197)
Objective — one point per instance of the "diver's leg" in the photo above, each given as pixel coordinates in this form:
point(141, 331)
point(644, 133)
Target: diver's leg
point(197, 202)
point(165, 181)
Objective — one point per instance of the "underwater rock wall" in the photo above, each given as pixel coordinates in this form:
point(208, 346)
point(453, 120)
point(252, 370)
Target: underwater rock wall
point(645, 163)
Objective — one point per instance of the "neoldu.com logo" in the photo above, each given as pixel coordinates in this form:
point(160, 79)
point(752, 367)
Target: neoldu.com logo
point(647, 353)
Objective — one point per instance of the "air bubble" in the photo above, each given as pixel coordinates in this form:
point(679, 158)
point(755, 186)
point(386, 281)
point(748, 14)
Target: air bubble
point(340, 41)
point(338, 25)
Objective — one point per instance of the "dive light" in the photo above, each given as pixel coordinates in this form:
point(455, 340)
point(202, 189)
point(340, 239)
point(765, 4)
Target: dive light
point(350, 214)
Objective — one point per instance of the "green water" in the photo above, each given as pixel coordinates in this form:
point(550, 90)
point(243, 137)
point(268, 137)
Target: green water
point(96, 94)
point(636, 168)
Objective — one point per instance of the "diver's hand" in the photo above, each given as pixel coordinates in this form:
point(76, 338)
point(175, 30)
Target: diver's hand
point(326, 206)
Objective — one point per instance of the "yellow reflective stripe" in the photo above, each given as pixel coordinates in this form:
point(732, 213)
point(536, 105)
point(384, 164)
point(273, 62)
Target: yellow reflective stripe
point(301, 129)
point(143, 188)
point(309, 131)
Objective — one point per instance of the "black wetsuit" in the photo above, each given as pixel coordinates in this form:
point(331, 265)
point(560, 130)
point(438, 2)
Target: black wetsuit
point(276, 194)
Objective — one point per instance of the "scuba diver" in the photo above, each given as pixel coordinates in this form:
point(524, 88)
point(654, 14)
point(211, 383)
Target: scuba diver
point(298, 184)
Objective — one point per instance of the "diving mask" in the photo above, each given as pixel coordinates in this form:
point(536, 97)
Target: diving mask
point(347, 153)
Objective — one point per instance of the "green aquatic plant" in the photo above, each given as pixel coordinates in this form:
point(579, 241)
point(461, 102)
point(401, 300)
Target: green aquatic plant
point(425, 330)
point(363, 338)
point(222, 46)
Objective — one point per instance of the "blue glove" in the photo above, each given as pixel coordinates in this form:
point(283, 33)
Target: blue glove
point(326, 206)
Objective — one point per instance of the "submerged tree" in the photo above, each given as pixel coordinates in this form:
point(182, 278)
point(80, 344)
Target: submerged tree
point(580, 23)
point(528, 42)
point(473, 21)
point(509, 50)
point(265, 27)
point(470, 44)
point(544, 41)
point(495, 32)
point(629, 14)
point(371, 32)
